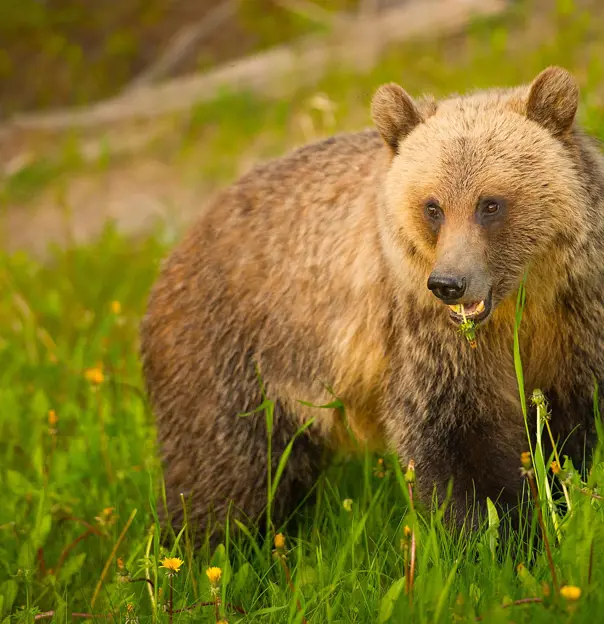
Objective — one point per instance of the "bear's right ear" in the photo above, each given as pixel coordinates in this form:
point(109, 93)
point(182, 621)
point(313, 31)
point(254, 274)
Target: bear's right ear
point(394, 114)
point(553, 100)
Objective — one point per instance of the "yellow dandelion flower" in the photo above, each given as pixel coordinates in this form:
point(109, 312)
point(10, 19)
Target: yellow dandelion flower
point(525, 460)
point(52, 418)
point(279, 541)
point(116, 307)
point(214, 575)
point(555, 466)
point(94, 375)
point(347, 504)
point(171, 564)
point(570, 592)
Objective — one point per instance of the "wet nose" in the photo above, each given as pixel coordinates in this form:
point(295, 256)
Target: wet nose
point(449, 288)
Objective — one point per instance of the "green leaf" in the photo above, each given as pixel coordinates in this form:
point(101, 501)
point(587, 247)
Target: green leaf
point(241, 577)
point(529, 582)
point(389, 600)
point(266, 404)
point(285, 456)
point(520, 302)
point(474, 593)
point(443, 595)
point(220, 560)
point(307, 575)
point(17, 483)
point(8, 593)
point(26, 559)
point(71, 566)
point(337, 404)
point(493, 530)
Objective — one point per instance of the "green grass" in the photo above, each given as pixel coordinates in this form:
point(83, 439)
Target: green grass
point(78, 465)
point(95, 451)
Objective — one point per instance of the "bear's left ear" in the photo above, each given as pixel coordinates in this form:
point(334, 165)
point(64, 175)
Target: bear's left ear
point(394, 113)
point(553, 100)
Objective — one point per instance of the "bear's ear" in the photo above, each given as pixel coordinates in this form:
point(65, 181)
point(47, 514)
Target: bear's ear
point(553, 100)
point(394, 113)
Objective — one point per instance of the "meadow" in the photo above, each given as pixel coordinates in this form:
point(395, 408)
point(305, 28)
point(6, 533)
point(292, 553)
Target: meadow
point(79, 471)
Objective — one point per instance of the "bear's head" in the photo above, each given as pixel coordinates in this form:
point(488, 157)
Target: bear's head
point(480, 190)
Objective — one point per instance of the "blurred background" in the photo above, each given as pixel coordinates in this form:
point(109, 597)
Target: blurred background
point(118, 120)
point(135, 111)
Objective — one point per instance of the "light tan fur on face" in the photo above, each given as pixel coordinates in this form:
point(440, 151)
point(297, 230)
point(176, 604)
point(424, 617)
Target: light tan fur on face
point(476, 147)
point(312, 270)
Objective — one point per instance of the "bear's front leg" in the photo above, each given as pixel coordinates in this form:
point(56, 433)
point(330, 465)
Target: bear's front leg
point(459, 434)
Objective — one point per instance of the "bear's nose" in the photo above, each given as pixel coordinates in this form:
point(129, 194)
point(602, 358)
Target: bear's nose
point(449, 288)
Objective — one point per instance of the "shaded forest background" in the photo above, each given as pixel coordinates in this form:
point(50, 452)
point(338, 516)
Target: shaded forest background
point(198, 91)
point(67, 52)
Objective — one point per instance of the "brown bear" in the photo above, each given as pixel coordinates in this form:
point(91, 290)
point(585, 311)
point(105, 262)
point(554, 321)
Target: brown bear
point(340, 270)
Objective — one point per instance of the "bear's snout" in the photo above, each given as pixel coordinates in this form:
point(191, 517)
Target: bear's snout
point(447, 287)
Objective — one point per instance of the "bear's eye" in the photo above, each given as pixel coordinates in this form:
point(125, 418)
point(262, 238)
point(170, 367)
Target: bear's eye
point(490, 210)
point(433, 210)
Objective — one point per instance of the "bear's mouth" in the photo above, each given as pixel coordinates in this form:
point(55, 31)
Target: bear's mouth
point(475, 311)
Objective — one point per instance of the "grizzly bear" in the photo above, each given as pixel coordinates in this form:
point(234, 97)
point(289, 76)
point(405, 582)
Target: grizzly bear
point(339, 275)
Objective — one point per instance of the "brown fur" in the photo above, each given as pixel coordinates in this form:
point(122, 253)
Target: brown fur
point(313, 267)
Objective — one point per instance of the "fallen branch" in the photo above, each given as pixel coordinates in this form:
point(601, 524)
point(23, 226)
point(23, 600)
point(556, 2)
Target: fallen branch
point(516, 603)
point(369, 7)
point(228, 605)
point(50, 614)
point(88, 616)
point(311, 11)
point(182, 44)
point(276, 73)
point(142, 580)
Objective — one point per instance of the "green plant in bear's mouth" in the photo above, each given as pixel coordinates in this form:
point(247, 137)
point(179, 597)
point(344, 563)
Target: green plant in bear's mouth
point(468, 328)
